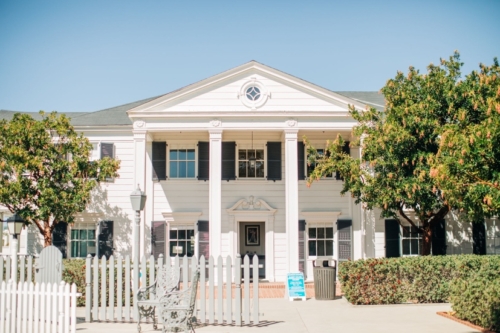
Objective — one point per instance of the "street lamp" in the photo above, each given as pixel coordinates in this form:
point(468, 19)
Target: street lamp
point(15, 224)
point(137, 199)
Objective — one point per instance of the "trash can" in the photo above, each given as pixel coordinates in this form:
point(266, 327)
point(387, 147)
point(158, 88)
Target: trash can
point(324, 278)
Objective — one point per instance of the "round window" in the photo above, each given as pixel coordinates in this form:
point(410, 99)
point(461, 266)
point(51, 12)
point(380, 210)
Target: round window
point(253, 93)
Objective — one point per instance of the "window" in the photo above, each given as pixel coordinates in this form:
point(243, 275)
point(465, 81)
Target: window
point(311, 167)
point(182, 163)
point(181, 242)
point(320, 241)
point(82, 240)
point(411, 241)
point(253, 93)
point(251, 163)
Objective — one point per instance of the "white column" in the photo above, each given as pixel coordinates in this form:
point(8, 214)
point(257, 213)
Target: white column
point(140, 176)
point(149, 190)
point(215, 191)
point(292, 199)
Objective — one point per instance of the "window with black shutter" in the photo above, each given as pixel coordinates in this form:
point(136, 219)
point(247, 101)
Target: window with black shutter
point(228, 160)
point(159, 161)
point(478, 238)
point(439, 238)
point(158, 238)
point(60, 238)
point(344, 233)
point(302, 246)
point(108, 150)
point(204, 239)
point(392, 238)
point(105, 239)
point(274, 160)
point(347, 150)
point(203, 160)
point(301, 161)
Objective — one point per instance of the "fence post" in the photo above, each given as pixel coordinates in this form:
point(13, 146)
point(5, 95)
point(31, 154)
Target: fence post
point(255, 289)
point(88, 289)
point(237, 281)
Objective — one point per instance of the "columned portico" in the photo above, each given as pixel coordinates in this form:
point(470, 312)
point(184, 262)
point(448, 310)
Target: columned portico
point(215, 191)
point(292, 200)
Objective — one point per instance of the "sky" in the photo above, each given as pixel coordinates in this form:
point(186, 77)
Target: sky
point(89, 55)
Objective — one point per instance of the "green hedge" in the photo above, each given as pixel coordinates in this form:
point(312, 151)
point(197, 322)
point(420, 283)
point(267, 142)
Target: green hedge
point(476, 298)
point(411, 279)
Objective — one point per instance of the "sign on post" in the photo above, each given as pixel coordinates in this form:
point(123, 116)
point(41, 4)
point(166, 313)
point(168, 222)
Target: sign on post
point(295, 286)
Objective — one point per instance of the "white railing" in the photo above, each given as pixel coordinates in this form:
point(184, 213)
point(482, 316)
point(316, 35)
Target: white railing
point(26, 307)
point(222, 297)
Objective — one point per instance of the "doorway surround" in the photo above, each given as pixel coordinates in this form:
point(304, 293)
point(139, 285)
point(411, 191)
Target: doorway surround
point(252, 210)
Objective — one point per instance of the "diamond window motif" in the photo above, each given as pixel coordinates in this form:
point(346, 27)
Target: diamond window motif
point(253, 93)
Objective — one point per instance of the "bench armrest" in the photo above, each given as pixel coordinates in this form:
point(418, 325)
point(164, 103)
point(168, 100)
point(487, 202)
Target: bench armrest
point(143, 292)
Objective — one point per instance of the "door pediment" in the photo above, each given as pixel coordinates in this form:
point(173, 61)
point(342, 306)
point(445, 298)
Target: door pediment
point(252, 206)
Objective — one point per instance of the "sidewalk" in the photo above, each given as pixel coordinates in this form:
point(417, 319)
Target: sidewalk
point(322, 316)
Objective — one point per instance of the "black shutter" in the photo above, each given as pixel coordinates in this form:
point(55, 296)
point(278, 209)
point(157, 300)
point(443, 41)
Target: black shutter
point(158, 239)
point(60, 238)
point(301, 162)
point(105, 239)
point(107, 150)
point(228, 160)
point(204, 239)
point(392, 239)
point(344, 230)
point(159, 160)
point(478, 238)
point(203, 160)
point(302, 246)
point(274, 160)
point(439, 238)
point(346, 149)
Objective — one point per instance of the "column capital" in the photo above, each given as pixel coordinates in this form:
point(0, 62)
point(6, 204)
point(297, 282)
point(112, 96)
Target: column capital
point(215, 133)
point(140, 135)
point(291, 133)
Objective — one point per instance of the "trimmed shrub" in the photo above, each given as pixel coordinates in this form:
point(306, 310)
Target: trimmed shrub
point(476, 298)
point(410, 279)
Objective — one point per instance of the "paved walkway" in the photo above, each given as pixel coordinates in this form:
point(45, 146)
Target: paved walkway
point(322, 316)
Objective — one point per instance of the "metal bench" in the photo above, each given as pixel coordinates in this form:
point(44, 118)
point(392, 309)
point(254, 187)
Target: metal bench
point(150, 298)
point(177, 307)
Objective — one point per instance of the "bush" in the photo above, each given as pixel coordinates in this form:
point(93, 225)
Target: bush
point(74, 272)
point(411, 279)
point(476, 298)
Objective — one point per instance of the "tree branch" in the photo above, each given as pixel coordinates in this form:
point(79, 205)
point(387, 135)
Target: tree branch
point(402, 213)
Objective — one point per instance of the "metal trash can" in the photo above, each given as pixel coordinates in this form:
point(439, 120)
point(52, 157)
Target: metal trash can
point(324, 278)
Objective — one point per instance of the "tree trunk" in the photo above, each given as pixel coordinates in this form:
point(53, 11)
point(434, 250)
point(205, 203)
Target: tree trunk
point(426, 239)
point(47, 234)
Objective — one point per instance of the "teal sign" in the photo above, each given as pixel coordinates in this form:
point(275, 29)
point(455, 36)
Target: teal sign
point(295, 285)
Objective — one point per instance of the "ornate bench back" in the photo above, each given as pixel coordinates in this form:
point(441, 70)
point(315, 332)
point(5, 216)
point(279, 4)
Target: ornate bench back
point(167, 280)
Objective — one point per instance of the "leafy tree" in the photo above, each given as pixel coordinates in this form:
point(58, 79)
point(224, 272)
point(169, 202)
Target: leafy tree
point(46, 172)
point(399, 146)
point(467, 168)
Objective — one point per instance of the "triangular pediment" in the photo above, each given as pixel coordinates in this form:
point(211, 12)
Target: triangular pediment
point(225, 93)
point(251, 205)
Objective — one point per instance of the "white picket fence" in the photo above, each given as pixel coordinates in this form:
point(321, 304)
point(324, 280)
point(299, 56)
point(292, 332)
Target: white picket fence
point(26, 307)
point(24, 263)
point(222, 297)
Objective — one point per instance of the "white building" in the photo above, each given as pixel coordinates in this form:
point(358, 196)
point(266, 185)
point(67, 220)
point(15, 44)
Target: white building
point(223, 164)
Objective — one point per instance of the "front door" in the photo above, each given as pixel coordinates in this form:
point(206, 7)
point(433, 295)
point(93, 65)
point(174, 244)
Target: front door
point(253, 242)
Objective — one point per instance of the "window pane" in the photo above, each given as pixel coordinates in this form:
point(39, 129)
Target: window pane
point(173, 248)
point(190, 248)
point(182, 155)
point(251, 153)
point(260, 154)
point(91, 247)
point(173, 234)
point(242, 154)
point(260, 169)
point(182, 169)
point(414, 246)
point(414, 232)
point(312, 248)
point(312, 232)
point(191, 169)
point(74, 249)
point(74, 234)
point(251, 171)
point(329, 248)
point(406, 246)
point(242, 169)
point(406, 231)
point(173, 170)
point(91, 234)
point(182, 247)
point(182, 234)
point(83, 249)
point(321, 248)
point(321, 233)
point(173, 155)
point(190, 155)
point(190, 234)
point(83, 234)
point(329, 232)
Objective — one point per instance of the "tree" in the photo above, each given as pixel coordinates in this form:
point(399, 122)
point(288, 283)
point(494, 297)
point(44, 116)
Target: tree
point(467, 167)
point(47, 176)
point(399, 147)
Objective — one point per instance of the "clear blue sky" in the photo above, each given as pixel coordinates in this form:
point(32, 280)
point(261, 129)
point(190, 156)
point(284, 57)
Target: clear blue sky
point(89, 55)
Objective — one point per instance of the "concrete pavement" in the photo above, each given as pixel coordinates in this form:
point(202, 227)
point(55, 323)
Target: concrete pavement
point(322, 316)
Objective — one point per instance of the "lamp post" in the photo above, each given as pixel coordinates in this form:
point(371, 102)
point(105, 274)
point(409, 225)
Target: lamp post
point(137, 199)
point(15, 224)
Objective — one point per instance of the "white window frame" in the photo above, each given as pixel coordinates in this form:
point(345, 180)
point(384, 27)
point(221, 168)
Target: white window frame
point(179, 146)
point(248, 146)
point(81, 226)
point(182, 227)
point(402, 238)
point(307, 239)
